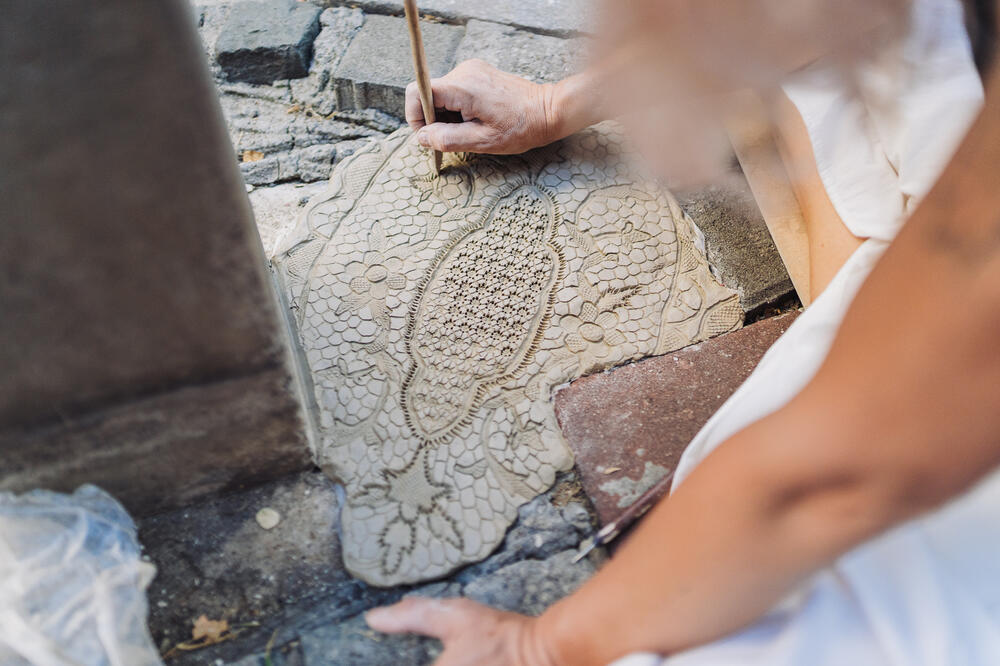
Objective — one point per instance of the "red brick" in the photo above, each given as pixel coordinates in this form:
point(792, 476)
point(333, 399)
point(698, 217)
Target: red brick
point(649, 411)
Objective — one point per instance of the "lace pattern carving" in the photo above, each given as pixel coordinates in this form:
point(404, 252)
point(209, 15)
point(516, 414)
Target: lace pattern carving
point(437, 313)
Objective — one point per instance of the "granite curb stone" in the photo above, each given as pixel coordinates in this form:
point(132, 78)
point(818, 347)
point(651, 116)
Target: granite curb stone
point(263, 42)
point(738, 243)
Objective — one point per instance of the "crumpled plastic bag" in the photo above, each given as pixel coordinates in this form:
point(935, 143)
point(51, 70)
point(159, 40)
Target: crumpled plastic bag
point(72, 582)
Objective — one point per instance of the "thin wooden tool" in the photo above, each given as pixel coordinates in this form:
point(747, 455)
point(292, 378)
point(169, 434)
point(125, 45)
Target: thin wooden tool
point(638, 508)
point(420, 69)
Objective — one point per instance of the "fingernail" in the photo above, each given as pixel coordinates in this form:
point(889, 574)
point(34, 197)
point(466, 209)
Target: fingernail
point(422, 138)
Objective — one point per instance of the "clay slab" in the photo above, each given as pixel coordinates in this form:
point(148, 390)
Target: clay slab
point(437, 313)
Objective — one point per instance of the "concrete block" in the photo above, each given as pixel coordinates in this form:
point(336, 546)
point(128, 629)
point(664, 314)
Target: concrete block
point(628, 427)
point(266, 41)
point(377, 65)
point(141, 343)
point(562, 18)
point(738, 244)
point(168, 450)
point(538, 58)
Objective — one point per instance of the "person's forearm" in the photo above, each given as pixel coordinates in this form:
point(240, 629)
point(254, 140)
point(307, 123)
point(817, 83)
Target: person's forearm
point(738, 534)
point(576, 103)
point(902, 416)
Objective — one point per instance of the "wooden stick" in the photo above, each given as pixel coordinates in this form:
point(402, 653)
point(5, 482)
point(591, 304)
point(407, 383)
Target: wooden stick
point(420, 69)
point(633, 513)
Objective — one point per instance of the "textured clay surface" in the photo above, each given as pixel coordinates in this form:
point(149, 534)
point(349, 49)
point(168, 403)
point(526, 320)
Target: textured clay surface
point(437, 313)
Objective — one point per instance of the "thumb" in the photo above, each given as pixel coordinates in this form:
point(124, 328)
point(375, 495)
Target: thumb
point(416, 615)
point(470, 136)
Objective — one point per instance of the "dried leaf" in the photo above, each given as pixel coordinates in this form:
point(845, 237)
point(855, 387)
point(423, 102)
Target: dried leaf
point(210, 630)
point(252, 155)
point(612, 470)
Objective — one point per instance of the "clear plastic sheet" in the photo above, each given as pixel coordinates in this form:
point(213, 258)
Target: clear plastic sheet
point(72, 582)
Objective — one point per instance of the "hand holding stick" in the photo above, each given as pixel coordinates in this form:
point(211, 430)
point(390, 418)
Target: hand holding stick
point(420, 69)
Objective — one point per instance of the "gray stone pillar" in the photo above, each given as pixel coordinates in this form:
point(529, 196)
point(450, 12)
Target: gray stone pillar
point(140, 342)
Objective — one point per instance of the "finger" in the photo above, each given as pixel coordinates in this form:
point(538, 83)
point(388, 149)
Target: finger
point(416, 615)
point(454, 91)
point(472, 136)
point(413, 108)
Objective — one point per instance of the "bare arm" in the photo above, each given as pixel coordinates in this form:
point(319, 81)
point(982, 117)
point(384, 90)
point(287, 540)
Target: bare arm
point(902, 416)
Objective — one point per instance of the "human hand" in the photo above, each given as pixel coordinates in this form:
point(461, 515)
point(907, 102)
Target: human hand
point(473, 634)
point(502, 114)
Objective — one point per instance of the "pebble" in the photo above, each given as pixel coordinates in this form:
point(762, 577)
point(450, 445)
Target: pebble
point(268, 518)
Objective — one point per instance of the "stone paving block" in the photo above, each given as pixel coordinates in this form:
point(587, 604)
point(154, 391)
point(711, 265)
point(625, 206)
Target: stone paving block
point(317, 91)
point(562, 18)
point(377, 65)
point(539, 58)
point(638, 419)
point(262, 42)
point(738, 244)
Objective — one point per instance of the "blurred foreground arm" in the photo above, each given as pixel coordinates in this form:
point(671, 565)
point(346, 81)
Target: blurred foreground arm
point(503, 114)
point(902, 416)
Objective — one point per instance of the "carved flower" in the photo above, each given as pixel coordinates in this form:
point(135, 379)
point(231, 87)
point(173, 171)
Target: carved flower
point(372, 279)
point(594, 333)
point(375, 276)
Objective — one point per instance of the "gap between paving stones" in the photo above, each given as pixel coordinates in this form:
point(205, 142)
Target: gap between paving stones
point(570, 18)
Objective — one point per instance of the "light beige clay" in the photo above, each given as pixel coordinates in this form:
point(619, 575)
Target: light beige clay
point(435, 315)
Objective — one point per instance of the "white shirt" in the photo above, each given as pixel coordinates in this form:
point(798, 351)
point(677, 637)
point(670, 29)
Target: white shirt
point(926, 593)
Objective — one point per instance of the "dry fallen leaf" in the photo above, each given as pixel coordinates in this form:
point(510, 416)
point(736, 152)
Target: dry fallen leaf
point(209, 630)
point(252, 155)
point(612, 470)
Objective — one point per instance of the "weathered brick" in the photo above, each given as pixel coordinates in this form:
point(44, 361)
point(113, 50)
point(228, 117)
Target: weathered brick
point(641, 417)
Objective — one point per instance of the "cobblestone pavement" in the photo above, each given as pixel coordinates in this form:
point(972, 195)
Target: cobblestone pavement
point(302, 85)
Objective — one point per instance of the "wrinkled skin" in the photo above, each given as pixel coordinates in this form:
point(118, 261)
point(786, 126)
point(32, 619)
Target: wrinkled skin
point(473, 634)
point(503, 114)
